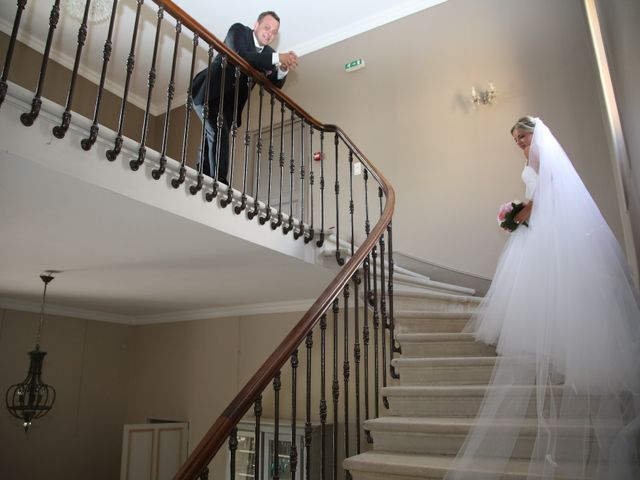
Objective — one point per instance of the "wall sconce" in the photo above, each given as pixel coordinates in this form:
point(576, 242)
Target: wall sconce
point(483, 97)
point(32, 398)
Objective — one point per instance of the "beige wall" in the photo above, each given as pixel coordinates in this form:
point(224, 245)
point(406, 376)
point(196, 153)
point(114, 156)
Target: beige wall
point(451, 165)
point(88, 364)
point(107, 375)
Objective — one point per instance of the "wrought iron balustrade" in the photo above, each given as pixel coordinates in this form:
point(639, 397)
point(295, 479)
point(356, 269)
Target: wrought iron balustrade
point(281, 162)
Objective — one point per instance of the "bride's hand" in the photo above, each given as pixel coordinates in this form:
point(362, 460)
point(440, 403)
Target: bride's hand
point(524, 214)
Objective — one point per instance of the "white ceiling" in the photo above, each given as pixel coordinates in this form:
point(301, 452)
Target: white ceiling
point(306, 26)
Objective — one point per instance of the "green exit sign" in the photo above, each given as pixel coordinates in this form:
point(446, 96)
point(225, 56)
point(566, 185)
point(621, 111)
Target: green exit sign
point(354, 65)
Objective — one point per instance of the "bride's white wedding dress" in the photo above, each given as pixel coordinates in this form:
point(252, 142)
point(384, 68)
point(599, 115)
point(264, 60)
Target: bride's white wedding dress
point(564, 398)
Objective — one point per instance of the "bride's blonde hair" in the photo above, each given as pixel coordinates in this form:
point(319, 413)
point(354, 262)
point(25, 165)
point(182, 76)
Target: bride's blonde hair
point(527, 124)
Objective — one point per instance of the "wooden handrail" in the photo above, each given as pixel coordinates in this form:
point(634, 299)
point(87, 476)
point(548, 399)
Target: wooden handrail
point(238, 407)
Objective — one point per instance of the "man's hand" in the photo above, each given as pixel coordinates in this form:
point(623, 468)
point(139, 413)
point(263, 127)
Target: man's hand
point(288, 61)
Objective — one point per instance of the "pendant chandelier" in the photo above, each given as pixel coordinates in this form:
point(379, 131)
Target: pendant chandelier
point(32, 398)
point(99, 10)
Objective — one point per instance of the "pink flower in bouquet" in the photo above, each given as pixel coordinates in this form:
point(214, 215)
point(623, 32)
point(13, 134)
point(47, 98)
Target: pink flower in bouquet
point(507, 214)
point(504, 210)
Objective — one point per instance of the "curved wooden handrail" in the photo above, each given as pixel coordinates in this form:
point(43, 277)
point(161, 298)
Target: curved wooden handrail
point(238, 407)
point(223, 426)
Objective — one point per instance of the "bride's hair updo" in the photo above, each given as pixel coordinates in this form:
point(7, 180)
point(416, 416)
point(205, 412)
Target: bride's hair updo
point(526, 124)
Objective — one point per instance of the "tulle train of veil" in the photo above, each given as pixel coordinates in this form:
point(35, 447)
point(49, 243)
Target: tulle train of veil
point(564, 397)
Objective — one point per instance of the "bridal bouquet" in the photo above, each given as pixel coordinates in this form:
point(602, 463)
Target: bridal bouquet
point(507, 215)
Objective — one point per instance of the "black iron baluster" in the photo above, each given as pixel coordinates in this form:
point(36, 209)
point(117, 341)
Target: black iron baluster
point(219, 124)
point(276, 427)
point(278, 221)
point(298, 232)
point(289, 226)
point(346, 369)
point(157, 173)
point(27, 119)
point(356, 350)
point(323, 398)
point(264, 219)
point(61, 130)
point(247, 143)
point(351, 205)
point(308, 431)
point(308, 236)
point(233, 447)
point(12, 44)
point(204, 475)
point(117, 147)
point(193, 189)
point(373, 299)
point(393, 348)
point(366, 287)
point(335, 388)
point(257, 411)
point(176, 182)
point(356, 281)
point(231, 155)
point(320, 241)
point(256, 206)
point(339, 257)
point(142, 150)
point(383, 307)
point(293, 451)
point(87, 143)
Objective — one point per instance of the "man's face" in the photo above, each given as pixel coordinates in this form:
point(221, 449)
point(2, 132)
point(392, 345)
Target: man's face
point(266, 30)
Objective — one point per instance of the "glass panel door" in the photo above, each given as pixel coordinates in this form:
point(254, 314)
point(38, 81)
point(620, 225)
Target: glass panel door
point(245, 456)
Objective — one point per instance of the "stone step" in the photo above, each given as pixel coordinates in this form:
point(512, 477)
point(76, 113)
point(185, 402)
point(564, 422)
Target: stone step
point(376, 465)
point(444, 371)
point(448, 401)
point(419, 282)
point(408, 299)
point(412, 321)
point(445, 436)
point(422, 345)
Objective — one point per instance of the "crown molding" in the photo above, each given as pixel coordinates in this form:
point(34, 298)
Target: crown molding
point(171, 317)
point(368, 23)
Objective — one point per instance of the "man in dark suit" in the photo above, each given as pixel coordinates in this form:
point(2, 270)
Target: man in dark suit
point(253, 46)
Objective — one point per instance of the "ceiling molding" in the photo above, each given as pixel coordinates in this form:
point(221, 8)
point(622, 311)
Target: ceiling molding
point(364, 25)
point(65, 311)
point(172, 317)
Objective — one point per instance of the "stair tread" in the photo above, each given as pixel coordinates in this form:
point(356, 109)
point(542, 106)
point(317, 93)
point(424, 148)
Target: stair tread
point(447, 390)
point(403, 292)
point(444, 362)
point(429, 314)
point(426, 282)
point(419, 424)
point(419, 465)
point(436, 337)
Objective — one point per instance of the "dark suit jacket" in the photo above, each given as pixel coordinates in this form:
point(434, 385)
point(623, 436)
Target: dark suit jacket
point(239, 39)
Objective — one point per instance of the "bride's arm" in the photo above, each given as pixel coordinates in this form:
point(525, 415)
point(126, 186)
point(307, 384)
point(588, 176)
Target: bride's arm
point(524, 214)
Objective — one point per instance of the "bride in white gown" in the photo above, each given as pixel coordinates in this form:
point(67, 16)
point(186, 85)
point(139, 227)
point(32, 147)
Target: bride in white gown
point(564, 397)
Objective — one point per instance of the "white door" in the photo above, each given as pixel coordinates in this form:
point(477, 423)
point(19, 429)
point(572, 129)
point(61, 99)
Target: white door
point(153, 451)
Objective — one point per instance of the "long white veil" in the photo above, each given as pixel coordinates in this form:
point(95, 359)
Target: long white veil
point(564, 397)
